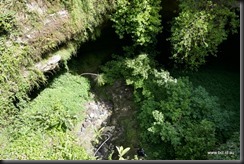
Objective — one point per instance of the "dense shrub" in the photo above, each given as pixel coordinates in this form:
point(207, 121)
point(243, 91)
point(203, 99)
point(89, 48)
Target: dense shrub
point(138, 20)
point(188, 118)
point(227, 151)
point(199, 29)
point(173, 113)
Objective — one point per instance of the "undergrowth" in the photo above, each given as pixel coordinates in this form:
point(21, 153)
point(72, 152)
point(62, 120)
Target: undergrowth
point(222, 83)
point(31, 31)
point(179, 118)
point(43, 130)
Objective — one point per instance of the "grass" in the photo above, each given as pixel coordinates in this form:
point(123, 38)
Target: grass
point(43, 130)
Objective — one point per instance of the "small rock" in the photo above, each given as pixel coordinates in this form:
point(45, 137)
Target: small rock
point(109, 129)
point(85, 124)
point(91, 115)
point(104, 123)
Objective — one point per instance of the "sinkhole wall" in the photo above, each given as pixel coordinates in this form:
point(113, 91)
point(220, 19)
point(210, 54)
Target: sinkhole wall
point(36, 36)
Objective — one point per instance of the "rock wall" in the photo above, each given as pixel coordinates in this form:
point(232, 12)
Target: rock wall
point(37, 35)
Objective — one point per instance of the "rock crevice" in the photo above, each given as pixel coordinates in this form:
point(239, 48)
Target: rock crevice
point(102, 129)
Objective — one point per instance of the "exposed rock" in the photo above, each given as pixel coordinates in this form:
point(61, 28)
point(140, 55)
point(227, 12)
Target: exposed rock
point(96, 114)
point(102, 129)
point(49, 64)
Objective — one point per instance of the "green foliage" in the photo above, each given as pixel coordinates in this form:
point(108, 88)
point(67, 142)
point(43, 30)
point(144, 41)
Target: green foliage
point(140, 19)
point(173, 113)
point(139, 73)
point(206, 106)
point(44, 146)
point(98, 135)
point(43, 130)
point(229, 150)
point(112, 70)
point(7, 21)
point(186, 117)
point(14, 57)
point(138, 70)
point(59, 102)
point(224, 84)
point(200, 27)
point(55, 110)
point(100, 80)
point(189, 41)
point(199, 138)
point(55, 117)
point(122, 152)
point(25, 39)
point(86, 15)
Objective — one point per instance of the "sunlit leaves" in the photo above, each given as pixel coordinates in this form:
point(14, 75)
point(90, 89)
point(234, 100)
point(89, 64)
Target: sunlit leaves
point(138, 18)
point(188, 38)
point(184, 116)
point(122, 152)
point(48, 121)
point(199, 29)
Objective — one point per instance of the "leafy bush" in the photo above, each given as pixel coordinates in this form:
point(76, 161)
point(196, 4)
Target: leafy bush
point(173, 113)
point(138, 19)
point(187, 117)
point(229, 150)
point(200, 27)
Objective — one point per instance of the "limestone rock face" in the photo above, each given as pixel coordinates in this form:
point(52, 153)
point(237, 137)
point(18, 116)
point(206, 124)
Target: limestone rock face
point(49, 64)
point(36, 36)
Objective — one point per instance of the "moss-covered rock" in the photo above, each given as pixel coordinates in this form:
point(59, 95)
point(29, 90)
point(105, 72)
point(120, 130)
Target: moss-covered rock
point(33, 33)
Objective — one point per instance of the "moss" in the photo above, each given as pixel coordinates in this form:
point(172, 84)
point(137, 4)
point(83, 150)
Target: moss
point(32, 31)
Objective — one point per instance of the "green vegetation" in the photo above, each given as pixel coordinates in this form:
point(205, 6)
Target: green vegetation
point(174, 115)
point(7, 21)
point(32, 32)
point(43, 130)
point(180, 119)
point(200, 28)
point(221, 83)
point(181, 114)
point(140, 20)
point(231, 148)
point(122, 152)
